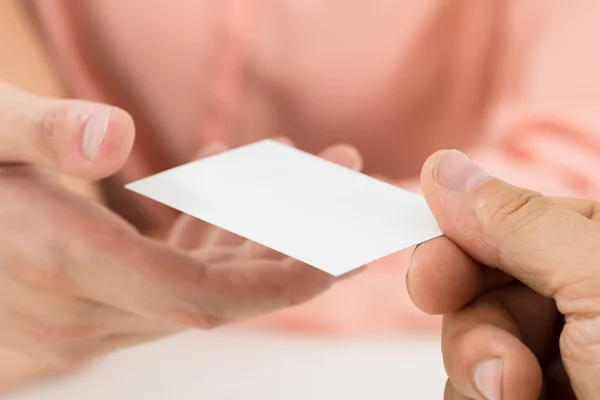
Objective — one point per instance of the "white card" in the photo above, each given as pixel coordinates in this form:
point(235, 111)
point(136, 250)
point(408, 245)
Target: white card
point(313, 210)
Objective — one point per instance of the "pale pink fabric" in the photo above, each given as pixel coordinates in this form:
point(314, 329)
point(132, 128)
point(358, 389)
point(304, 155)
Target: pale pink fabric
point(513, 83)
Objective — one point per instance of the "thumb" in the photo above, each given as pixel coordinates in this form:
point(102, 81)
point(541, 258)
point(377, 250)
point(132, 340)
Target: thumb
point(79, 138)
point(546, 246)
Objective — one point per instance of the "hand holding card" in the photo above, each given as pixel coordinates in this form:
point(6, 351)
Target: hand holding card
point(300, 205)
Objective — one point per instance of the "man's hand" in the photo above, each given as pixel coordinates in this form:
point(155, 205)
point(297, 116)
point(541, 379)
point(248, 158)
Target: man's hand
point(517, 278)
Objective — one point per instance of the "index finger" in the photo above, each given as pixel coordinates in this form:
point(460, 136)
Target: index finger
point(150, 278)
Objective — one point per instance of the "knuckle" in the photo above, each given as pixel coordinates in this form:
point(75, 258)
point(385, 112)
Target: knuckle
point(509, 211)
point(47, 133)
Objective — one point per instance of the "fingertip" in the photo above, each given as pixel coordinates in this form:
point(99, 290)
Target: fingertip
point(99, 149)
point(212, 149)
point(286, 141)
point(429, 189)
point(491, 363)
point(428, 169)
point(441, 277)
point(345, 155)
point(305, 281)
point(521, 375)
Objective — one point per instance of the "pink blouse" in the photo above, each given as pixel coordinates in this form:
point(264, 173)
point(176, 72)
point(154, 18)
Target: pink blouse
point(512, 83)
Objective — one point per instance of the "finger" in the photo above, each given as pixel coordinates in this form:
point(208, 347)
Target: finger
point(450, 393)
point(79, 138)
point(218, 237)
point(139, 275)
point(212, 149)
point(385, 179)
point(99, 257)
point(235, 291)
point(182, 288)
point(215, 255)
point(490, 346)
point(516, 230)
point(189, 233)
point(442, 278)
point(285, 140)
point(344, 155)
point(251, 249)
point(588, 208)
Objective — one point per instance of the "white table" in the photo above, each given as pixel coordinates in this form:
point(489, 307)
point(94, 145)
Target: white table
point(229, 366)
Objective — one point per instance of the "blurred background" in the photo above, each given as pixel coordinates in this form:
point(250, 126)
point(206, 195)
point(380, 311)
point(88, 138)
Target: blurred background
point(510, 83)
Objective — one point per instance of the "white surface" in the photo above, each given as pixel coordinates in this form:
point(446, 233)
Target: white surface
point(227, 366)
point(305, 207)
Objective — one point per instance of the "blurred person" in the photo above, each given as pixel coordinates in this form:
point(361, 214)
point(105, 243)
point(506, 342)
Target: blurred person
point(510, 83)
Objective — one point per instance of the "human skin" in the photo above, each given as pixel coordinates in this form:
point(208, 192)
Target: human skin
point(516, 280)
point(77, 280)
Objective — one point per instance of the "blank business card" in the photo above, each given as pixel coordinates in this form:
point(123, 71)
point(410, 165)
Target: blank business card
point(313, 210)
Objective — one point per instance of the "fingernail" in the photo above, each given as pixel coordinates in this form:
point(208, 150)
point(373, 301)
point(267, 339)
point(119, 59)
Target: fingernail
point(94, 132)
point(455, 171)
point(488, 378)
